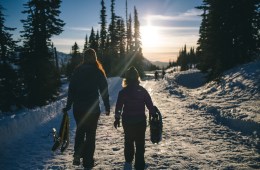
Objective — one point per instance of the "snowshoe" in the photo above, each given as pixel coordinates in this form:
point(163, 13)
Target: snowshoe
point(62, 141)
point(156, 126)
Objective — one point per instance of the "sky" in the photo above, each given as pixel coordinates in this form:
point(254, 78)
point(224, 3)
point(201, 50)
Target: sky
point(165, 25)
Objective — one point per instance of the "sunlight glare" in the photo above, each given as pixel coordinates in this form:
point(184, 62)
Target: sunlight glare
point(149, 36)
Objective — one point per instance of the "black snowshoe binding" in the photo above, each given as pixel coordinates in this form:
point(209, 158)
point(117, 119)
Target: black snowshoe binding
point(62, 140)
point(156, 126)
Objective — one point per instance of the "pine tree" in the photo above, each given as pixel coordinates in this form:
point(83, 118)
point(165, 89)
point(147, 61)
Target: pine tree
point(120, 48)
point(112, 56)
point(129, 35)
point(41, 78)
point(122, 37)
point(85, 44)
point(75, 52)
point(120, 59)
point(182, 59)
point(112, 32)
point(256, 26)
point(126, 19)
point(204, 57)
point(245, 36)
point(228, 34)
point(75, 61)
point(103, 30)
point(97, 43)
point(106, 61)
point(136, 54)
point(92, 40)
point(9, 89)
point(193, 60)
point(137, 35)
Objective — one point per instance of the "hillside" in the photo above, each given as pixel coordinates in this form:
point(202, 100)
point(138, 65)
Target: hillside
point(63, 58)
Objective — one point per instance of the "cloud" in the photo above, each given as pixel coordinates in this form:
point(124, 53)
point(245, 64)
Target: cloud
point(78, 28)
point(67, 41)
point(165, 28)
point(65, 44)
point(162, 56)
point(189, 15)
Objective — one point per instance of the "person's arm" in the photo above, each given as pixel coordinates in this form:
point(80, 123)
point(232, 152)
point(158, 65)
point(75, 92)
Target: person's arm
point(119, 106)
point(118, 110)
point(70, 97)
point(149, 103)
point(103, 88)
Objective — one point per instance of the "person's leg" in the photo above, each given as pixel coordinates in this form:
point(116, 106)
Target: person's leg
point(79, 140)
point(140, 146)
point(90, 143)
point(79, 137)
point(129, 144)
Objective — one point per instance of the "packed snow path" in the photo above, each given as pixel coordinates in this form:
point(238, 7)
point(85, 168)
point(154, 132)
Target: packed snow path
point(192, 137)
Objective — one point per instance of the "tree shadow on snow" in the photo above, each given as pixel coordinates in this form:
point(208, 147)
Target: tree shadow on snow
point(248, 128)
point(191, 80)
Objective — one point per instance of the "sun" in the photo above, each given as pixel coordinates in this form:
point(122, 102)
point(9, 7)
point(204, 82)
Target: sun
point(149, 36)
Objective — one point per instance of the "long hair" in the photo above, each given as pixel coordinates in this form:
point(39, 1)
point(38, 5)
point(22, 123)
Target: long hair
point(131, 77)
point(90, 57)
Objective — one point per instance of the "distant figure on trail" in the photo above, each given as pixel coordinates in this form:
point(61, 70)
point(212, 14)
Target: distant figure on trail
point(130, 105)
point(163, 73)
point(87, 82)
point(156, 75)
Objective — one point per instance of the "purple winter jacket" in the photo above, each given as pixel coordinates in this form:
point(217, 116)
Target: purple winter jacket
point(131, 104)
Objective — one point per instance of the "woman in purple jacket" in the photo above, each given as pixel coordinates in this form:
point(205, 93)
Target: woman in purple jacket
point(130, 105)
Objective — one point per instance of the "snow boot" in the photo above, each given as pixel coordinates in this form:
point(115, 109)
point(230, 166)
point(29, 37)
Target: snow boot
point(88, 164)
point(76, 161)
point(128, 166)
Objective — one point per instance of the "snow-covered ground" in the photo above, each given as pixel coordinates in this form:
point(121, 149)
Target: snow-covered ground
point(206, 126)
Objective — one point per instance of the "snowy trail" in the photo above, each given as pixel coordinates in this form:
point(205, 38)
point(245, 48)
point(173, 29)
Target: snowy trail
point(192, 138)
point(199, 143)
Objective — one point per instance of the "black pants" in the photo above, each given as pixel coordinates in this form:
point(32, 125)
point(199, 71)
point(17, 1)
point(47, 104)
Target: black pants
point(135, 134)
point(85, 139)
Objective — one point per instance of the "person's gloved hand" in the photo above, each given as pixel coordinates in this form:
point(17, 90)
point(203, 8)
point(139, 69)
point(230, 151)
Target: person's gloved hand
point(66, 109)
point(117, 123)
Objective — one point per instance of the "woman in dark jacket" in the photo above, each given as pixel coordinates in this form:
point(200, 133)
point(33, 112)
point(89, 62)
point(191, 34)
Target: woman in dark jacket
point(130, 105)
point(87, 82)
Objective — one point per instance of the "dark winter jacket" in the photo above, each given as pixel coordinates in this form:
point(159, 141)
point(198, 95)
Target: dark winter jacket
point(131, 104)
point(84, 88)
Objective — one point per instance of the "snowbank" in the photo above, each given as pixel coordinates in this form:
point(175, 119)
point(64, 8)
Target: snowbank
point(234, 100)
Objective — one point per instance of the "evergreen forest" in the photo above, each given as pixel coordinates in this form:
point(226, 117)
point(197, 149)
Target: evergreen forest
point(30, 75)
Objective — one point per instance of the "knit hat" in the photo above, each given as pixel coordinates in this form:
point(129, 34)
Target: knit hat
point(132, 75)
